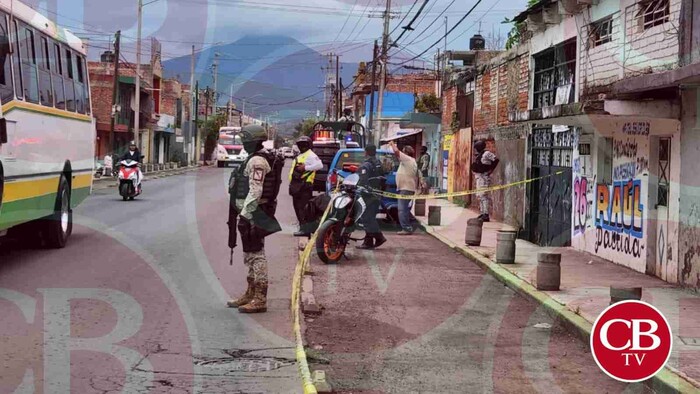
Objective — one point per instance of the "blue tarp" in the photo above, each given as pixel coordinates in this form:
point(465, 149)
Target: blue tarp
point(396, 105)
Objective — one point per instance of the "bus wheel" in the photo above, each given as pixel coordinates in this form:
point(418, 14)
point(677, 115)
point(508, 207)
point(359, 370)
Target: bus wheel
point(58, 227)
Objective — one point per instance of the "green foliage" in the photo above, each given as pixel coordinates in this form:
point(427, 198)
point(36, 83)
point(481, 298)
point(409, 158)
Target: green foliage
point(454, 125)
point(210, 132)
point(306, 127)
point(515, 33)
point(428, 103)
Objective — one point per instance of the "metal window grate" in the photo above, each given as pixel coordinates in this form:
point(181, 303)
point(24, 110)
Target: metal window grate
point(653, 13)
point(664, 161)
point(554, 68)
point(601, 32)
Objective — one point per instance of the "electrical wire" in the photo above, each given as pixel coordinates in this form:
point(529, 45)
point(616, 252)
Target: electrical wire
point(404, 17)
point(408, 27)
point(446, 34)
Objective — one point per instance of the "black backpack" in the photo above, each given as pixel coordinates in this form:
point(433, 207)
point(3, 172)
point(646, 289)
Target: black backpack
point(478, 166)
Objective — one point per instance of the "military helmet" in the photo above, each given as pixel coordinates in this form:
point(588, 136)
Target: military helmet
point(253, 133)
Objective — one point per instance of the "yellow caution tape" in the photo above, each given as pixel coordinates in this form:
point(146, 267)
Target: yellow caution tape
point(462, 193)
point(304, 259)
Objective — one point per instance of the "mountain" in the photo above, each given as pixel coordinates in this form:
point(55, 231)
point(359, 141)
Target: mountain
point(264, 70)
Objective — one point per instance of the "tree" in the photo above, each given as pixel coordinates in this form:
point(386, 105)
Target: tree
point(428, 103)
point(210, 133)
point(306, 127)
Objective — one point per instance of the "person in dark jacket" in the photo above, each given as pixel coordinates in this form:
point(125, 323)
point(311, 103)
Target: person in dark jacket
point(371, 172)
point(134, 154)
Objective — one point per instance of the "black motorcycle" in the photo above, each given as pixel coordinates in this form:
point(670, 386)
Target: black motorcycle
point(345, 215)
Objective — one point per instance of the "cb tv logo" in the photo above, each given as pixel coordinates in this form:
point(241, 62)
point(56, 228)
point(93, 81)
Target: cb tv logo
point(631, 341)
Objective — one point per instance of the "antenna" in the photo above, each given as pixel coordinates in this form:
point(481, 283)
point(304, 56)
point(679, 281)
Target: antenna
point(479, 27)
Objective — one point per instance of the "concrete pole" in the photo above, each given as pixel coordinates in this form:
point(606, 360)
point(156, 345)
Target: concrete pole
point(190, 143)
point(384, 60)
point(137, 126)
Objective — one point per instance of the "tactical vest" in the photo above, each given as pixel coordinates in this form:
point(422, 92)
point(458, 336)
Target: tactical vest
point(375, 170)
point(307, 176)
point(271, 183)
point(478, 165)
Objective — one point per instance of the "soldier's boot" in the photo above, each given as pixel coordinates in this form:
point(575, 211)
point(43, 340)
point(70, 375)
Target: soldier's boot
point(245, 298)
point(379, 240)
point(367, 243)
point(259, 302)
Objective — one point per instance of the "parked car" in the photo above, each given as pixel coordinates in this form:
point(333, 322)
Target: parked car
point(348, 161)
point(287, 152)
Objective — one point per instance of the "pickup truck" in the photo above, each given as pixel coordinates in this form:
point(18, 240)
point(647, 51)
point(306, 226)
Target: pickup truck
point(327, 151)
point(348, 161)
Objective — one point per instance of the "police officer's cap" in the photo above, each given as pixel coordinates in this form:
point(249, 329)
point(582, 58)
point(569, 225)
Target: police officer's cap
point(371, 149)
point(252, 133)
point(304, 140)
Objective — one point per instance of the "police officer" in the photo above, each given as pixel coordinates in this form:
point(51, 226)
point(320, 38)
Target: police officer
point(255, 191)
point(371, 172)
point(301, 181)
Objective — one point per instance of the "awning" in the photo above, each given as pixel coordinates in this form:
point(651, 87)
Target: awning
point(420, 120)
point(400, 135)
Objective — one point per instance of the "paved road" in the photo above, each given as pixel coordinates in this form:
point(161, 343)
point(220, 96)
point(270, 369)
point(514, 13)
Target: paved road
point(416, 317)
point(137, 300)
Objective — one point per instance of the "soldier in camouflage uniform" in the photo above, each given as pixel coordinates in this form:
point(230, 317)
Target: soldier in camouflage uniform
point(484, 164)
point(256, 209)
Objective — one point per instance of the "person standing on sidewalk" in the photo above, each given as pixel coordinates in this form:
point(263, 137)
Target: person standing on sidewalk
point(408, 178)
point(424, 167)
point(301, 181)
point(371, 172)
point(485, 162)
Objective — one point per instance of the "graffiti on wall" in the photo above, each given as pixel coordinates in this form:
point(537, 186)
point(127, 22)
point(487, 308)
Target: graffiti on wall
point(619, 217)
point(583, 204)
point(625, 149)
point(625, 171)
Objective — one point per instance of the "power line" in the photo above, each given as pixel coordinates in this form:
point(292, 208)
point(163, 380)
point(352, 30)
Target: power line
point(346, 21)
point(404, 17)
point(431, 24)
point(409, 28)
point(445, 36)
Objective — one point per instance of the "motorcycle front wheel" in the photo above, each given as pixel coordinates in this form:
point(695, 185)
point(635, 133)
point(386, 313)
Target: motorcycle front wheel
point(124, 191)
point(329, 245)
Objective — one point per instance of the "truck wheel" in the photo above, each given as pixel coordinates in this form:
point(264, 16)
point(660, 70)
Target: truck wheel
point(59, 226)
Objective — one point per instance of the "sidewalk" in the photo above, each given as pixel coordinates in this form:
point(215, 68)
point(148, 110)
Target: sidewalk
point(584, 291)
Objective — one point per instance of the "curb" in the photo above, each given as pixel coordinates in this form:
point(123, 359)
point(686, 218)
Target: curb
point(666, 381)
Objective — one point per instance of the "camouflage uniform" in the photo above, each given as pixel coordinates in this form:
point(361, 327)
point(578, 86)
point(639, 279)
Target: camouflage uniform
point(255, 170)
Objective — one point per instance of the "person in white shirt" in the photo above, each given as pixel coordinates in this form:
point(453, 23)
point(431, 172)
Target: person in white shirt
point(301, 182)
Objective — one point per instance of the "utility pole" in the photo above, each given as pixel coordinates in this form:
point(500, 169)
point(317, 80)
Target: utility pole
point(371, 96)
point(115, 90)
point(337, 87)
point(137, 126)
point(384, 60)
point(189, 144)
point(215, 68)
point(196, 121)
point(230, 107)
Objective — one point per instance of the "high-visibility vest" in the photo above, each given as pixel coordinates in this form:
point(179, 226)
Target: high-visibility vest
point(307, 176)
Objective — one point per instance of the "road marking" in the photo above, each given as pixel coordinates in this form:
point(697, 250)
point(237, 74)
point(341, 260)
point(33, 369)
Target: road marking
point(382, 284)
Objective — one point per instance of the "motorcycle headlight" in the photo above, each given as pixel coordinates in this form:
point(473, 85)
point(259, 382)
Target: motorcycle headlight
point(342, 202)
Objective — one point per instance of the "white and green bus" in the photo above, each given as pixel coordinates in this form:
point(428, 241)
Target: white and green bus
point(47, 133)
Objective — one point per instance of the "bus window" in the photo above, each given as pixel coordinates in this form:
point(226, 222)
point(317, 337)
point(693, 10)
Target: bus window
point(68, 80)
point(29, 72)
point(86, 85)
point(6, 92)
point(45, 88)
point(19, 90)
point(57, 73)
point(79, 84)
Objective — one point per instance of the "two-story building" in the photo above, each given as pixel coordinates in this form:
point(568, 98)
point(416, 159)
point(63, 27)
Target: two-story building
point(613, 123)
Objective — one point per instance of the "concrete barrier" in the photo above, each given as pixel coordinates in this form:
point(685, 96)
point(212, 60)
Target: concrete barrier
point(548, 271)
point(505, 247)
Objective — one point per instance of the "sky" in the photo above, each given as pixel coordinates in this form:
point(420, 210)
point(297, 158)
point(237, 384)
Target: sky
point(341, 26)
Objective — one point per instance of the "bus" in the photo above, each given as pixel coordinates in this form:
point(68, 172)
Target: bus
point(47, 132)
point(230, 147)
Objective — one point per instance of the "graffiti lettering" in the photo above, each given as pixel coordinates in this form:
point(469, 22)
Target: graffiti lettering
point(617, 242)
point(580, 205)
point(619, 208)
point(625, 149)
point(576, 167)
point(636, 128)
point(625, 171)
point(642, 165)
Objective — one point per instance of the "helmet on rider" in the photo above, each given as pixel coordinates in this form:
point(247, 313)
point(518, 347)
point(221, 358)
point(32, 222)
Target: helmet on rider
point(253, 137)
point(304, 144)
point(132, 146)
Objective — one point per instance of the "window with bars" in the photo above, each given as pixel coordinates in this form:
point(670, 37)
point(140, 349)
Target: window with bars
point(555, 72)
point(653, 13)
point(601, 32)
point(664, 161)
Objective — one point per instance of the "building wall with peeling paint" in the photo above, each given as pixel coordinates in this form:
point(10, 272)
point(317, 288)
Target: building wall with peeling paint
point(689, 233)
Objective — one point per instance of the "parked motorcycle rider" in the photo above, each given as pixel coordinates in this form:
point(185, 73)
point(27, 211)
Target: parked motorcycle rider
point(255, 205)
point(135, 155)
point(370, 172)
point(301, 182)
